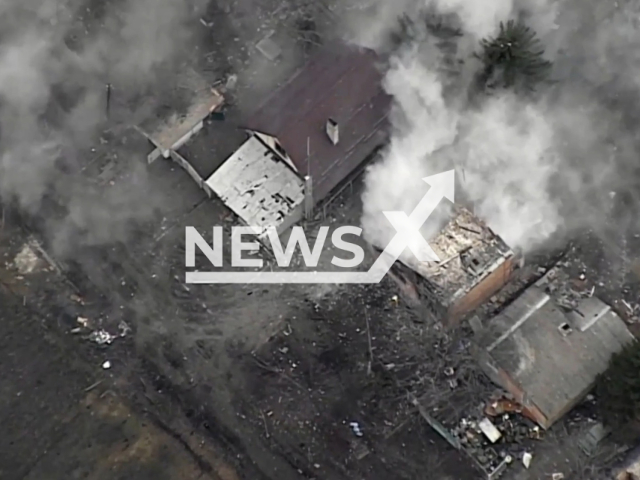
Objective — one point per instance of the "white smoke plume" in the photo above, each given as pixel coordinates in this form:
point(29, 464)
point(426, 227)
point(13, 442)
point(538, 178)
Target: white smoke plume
point(56, 58)
point(531, 168)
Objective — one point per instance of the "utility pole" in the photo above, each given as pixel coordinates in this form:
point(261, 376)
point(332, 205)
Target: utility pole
point(308, 186)
point(108, 105)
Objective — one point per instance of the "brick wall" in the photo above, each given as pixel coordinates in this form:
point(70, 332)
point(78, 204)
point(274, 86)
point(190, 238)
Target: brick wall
point(484, 290)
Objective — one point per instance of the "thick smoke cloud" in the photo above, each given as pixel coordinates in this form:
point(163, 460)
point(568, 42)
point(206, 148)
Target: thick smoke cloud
point(531, 168)
point(56, 59)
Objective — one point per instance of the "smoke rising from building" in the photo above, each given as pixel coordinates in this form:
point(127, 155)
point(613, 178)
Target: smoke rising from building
point(531, 168)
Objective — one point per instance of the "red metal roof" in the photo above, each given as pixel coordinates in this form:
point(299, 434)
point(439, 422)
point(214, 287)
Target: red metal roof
point(339, 82)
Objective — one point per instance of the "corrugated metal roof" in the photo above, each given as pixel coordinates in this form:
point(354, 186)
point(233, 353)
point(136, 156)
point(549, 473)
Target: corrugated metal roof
point(342, 83)
point(554, 367)
point(257, 186)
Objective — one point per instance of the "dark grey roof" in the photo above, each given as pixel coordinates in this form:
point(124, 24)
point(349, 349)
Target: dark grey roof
point(217, 141)
point(554, 368)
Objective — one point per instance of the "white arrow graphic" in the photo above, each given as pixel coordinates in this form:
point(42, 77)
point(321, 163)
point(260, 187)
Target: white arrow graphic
point(407, 236)
point(442, 186)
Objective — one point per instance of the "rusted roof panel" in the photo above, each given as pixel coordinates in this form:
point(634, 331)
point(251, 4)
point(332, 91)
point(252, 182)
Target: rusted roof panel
point(342, 83)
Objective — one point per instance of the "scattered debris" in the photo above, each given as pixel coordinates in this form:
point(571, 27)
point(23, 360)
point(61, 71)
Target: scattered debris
point(102, 337)
point(26, 261)
point(93, 385)
point(489, 430)
point(123, 329)
point(395, 299)
point(76, 299)
point(366, 317)
point(232, 80)
point(269, 48)
point(106, 365)
point(557, 476)
point(501, 406)
point(355, 427)
point(449, 371)
point(526, 459)
point(628, 305)
point(497, 433)
point(83, 322)
point(266, 427)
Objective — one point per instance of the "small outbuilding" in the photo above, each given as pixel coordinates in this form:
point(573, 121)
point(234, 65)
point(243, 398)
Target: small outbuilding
point(169, 129)
point(548, 351)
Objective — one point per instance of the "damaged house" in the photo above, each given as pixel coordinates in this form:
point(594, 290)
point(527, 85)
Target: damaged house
point(475, 264)
point(170, 128)
point(307, 139)
point(548, 346)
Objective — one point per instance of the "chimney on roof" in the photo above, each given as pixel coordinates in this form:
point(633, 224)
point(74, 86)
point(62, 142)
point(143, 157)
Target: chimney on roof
point(332, 131)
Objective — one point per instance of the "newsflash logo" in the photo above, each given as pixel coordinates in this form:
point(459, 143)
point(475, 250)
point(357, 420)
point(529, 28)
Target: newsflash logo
point(407, 236)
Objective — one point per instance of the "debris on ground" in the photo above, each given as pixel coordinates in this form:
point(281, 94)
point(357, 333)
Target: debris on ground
point(102, 337)
point(76, 299)
point(26, 261)
point(526, 459)
point(355, 427)
point(231, 82)
point(123, 329)
point(106, 365)
point(489, 430)
point(498, 431)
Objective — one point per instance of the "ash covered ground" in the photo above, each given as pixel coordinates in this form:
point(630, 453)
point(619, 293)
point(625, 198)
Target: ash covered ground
point(219, 382)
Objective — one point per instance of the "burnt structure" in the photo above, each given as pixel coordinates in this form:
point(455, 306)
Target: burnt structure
point(474, 264)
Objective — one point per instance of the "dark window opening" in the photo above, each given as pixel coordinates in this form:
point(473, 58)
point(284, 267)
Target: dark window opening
point(565, 329)
point(280, 150)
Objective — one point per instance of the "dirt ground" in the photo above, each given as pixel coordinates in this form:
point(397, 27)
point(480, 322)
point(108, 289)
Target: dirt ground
point(63, 414)
point(221, 382)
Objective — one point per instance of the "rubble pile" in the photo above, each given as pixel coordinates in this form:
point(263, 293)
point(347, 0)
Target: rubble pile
point(566, 291)
point(497, 433)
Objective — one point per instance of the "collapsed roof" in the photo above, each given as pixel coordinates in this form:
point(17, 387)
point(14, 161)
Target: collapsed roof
point(171, 128)
point(474, 264)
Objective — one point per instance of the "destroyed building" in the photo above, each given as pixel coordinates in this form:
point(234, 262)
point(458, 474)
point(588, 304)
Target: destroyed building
point(549, 345)
point(474, 264)
point(167, 129)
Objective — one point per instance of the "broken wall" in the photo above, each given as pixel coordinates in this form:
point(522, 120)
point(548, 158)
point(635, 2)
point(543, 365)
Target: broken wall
point(483, 290)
